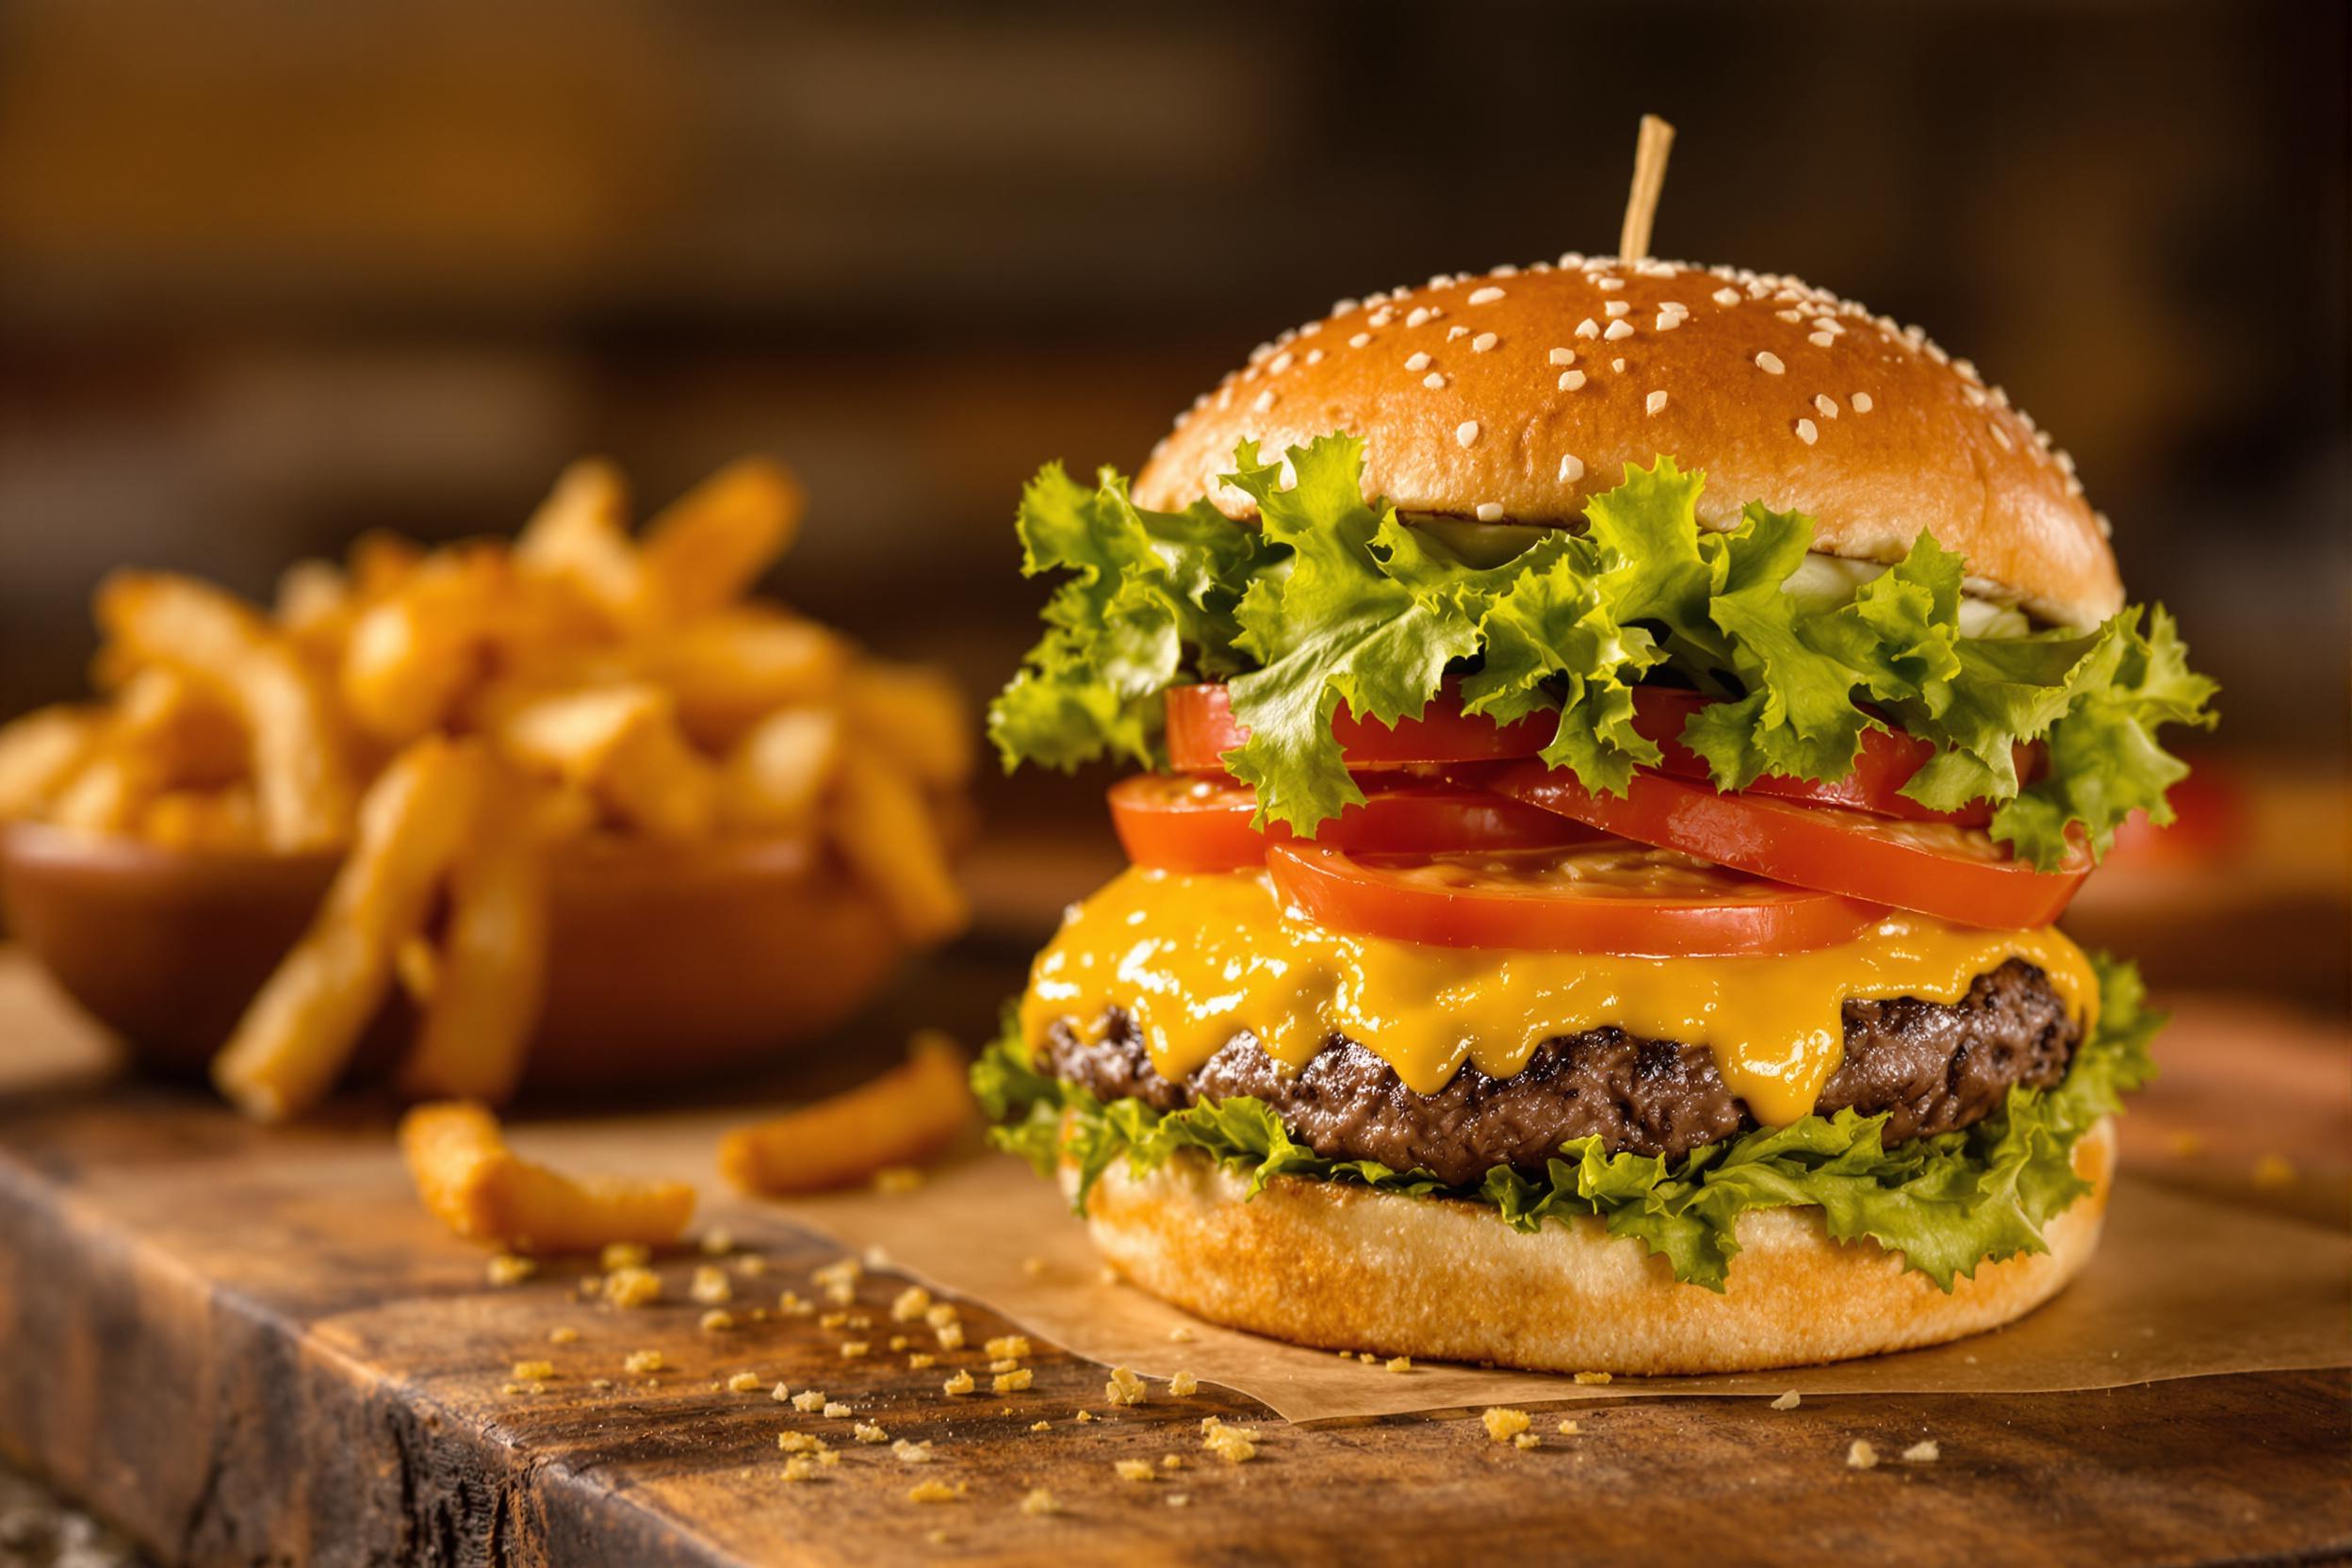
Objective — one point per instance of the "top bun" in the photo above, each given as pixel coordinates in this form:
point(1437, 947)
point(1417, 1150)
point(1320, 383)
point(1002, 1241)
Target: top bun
point(1518, 396)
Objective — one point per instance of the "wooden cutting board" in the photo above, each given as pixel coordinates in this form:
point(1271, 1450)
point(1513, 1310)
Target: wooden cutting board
point(247, 1345)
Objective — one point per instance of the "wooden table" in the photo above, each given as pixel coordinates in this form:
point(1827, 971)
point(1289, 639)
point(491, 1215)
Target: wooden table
point(247, 1345)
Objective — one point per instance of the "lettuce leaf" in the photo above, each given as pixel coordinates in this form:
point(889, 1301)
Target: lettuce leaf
point(1333, 598)
point(1947, 1203)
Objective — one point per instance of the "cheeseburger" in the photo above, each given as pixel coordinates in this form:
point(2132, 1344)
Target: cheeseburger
point(1614, 738)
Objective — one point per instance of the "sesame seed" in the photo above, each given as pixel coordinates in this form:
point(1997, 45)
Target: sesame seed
point(1588, 328)
point(1571, 379)
point(1280, 362)
point(2002, 437)
point(1563, 356)
point(1789, 315)
point(1382, 317)
point(1668, 321)
point(1484, 341)
point(1341, 307)
point(1466, 431)
point(1419, 315)
point(1609, 284)
point(1820, 339)
point(1264, 400)
point(1862, 403)
point(1485, 296)
point(1655, 402)
point(1974, 394)
point(1490, 511)
point(1417, 362)
point(1571, 467)
point(1315, 357)
point(1769, 363)
point(1618, 366)
point(1615, 308)
point(1806, 432)
point(1455, 331)
point(1725, 295)
point(1618, 331)
point(1825, 404)
point(1434, 381)
point(1360, 340)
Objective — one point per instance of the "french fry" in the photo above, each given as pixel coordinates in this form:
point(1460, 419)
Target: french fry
point(492, 964)
point(202, 818)
point(915, 716)
point(313, 606)
point(412, 654)
point(580, 535)
point(730, 669)
point(906, 1115)
point(298, 1032)
point(301, 775)
point(622, 743)
point(877, 819)
point(165, 732)
point(709, 545)
point(381, 562)
point(468, 1178)
point(774, 779)
point(38, 752)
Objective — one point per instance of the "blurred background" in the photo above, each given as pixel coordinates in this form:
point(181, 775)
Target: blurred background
point(270, 276)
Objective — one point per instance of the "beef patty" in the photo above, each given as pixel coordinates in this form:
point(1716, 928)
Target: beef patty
point(1933, 1067)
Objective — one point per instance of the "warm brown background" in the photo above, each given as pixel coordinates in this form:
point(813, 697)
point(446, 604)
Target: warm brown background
point(269, 275)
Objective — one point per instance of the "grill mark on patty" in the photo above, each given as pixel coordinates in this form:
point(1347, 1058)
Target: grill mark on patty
point(1932, 1067)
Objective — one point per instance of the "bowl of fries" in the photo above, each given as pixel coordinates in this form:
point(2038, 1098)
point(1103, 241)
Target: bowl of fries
point(579, 812)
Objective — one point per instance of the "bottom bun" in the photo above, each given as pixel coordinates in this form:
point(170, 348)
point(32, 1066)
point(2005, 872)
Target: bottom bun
point(1344, 1267)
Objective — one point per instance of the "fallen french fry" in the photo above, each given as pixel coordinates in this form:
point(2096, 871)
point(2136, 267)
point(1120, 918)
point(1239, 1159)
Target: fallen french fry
point(491, 969)
point(301, 778)
point(38, 752)
point(580, 535)
point(877, 818)
point(776, 777)
point(298, 1032)
point(474, 1183)
point(914, 715)
point(906, 1115)
point(709, 545)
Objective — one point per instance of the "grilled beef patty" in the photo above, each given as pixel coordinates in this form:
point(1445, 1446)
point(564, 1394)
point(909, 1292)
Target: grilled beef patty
point(1933, 1067)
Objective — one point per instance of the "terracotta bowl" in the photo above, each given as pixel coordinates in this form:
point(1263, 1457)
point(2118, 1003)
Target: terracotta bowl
point(663, 962)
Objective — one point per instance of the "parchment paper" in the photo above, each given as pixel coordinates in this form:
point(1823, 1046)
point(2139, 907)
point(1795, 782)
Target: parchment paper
point(2182, 1287)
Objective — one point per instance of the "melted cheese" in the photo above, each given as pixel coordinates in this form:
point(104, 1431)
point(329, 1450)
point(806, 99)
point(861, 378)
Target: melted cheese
point(1194, 960)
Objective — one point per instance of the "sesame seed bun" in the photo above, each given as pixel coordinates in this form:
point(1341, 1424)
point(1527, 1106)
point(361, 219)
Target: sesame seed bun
point(1780, 392)
point(1344, 1267)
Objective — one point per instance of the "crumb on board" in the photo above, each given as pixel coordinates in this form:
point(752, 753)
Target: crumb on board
point(718, 1320)
point(911, 1303)
point(1005, 1346)
point(941, 1314)
point(936, 1492)
point(854, 1349)
point(538, 1371)
point(716, 1243)
point(950, 1335)
point(1925, 1452)
point(1041, 1425)
point(1181, 1334)
point(564, 1335)
point(642, 1362)
point(744, 1383)
point(1527, 1440)
point(800, 1443)
point(1503, 1425)
point(1124, 1388)
point(911, 1453)
point(1234, 1445)
point(1135, 1470)
point(1595, 1377)
point(1400, 1364)
point(1037, 1500)
point(1084, 1416)
point(508, 1269)
point(710, 1286)
point(624, 1254)
point(809, 1400)
point(836, 1409)
point(800, 1467)
point(1008, 1364)
point(1183, 1384)
point(1011, 1382)
point(866, 1432)
point(1568, 1429)
point(791, 1305)
point(1861, 1456)
point(960, 1383)
point(632, 1287)
point(1790, 1400)
point(918, 1360)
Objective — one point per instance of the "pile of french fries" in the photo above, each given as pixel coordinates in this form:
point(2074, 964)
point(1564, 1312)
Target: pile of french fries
point(446, 722)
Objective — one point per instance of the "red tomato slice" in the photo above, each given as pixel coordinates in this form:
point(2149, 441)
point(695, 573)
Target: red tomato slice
point(1201, 729)
point(1888, 760)
point(1181, 824)
point(1954, 873)
point(1608, 897)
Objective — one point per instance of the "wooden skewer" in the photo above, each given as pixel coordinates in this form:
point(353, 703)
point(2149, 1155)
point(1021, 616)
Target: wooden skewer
point(1649, 179)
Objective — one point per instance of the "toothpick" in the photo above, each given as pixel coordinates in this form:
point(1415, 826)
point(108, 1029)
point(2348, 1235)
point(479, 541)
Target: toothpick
point(1649, 178)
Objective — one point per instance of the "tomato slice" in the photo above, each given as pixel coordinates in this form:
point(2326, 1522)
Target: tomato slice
point(1888, 760)
point(1201, 824)
point(1612, 897)
point(1954, 873)
point(1201, 729)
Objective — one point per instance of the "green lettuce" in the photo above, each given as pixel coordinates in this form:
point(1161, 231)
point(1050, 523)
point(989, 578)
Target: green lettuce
point(1334, 598)
point(1948, 1204)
